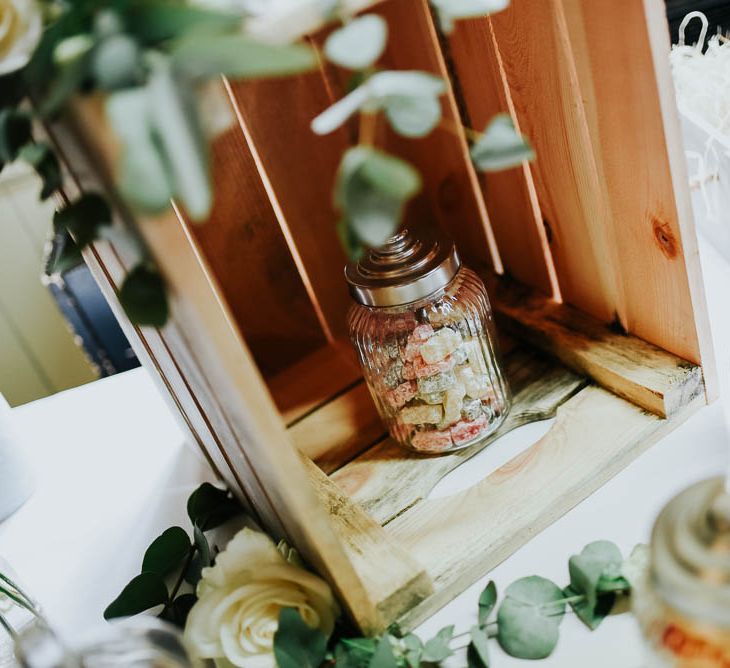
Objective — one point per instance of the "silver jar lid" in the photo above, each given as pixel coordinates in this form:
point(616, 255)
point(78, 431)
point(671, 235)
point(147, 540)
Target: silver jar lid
point(406, 268)
point(690, 552)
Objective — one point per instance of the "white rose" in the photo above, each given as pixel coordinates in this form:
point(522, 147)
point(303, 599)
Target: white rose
point(241, 596)
point(21, 25)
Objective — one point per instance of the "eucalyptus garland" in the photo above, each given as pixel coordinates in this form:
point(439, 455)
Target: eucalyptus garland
point(149, 58)
point(525, 623)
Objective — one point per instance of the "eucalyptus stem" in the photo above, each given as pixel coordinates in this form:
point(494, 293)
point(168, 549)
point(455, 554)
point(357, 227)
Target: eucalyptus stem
point(178, 583)
point(9, 629)
point(368, 124)
point(458, 129)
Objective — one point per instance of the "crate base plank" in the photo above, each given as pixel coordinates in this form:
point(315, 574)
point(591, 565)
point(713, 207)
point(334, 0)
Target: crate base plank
point(459, 539)
point(386, 480)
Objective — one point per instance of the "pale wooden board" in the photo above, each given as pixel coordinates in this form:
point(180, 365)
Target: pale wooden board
point(631, 143)
point(510, 195)
point(386, 479)
point(339, 430)
point(460, 538)
point(652, 378)
point(539, 67)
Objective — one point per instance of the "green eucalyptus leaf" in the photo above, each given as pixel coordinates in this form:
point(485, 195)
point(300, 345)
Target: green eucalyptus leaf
point(42, 158)
point(239, 56)
point(413, 650)
point(201, 542)
point(155, 22)
point(477, 653)
point(66, 255)
point(529, 617)
point(176, 123)
point(437, 649)
point(209, 507)
point(15, 132)
point(487, 601)
point(84, 218)
point(596, 573)
point(117, 62)
point(73, 60)
point(501, 146)
point(145, 591)
point(194, 571)
point(383, 656)
point(143, 172)
point(372, 188)
point(143, 296)
point(296, 644)
point(355, 652)
point(636, 567)
point(348, 239)
point(452, 10)
point(404, 92)
point(413, 116)
point(590, 614)
point(359, 43)
point(167, 552)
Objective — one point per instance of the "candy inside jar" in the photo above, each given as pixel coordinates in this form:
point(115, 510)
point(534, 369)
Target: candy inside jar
point(424, 334)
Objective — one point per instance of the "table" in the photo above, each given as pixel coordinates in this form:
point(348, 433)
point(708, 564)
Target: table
point(113, 471)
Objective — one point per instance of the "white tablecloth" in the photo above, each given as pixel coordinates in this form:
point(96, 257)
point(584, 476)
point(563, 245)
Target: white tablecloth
point(113, 471)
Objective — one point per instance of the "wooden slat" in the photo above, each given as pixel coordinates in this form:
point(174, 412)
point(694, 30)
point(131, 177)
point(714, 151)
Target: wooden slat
point(314, 380)
point(639, 147)
point(461, 537)
point(451, 195)
point(510, 195)
point(298, 169)
point(639, 371)
point(386, 480)
point(339, 430)
point(538, 63)
point(243, 243)
point(370, 548)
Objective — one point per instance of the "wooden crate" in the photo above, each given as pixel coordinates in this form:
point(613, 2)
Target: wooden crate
point(589, 252)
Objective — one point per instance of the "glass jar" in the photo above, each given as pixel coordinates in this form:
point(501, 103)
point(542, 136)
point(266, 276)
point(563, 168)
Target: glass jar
point(424, 333)
point(683, 602)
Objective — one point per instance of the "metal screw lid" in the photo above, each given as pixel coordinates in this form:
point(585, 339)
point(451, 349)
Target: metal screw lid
point(690, 552)
point(405, 269)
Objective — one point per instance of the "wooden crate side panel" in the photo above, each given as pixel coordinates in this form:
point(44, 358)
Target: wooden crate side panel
point(244, 244)
point(636, 140)
point(298, 170)
point(451, 195)
point(538, 63)
point(510, 195)
point(251, 434)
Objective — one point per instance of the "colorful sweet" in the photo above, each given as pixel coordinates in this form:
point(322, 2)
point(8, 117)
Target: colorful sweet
point(401, 395)
point(424, 369)
point(440, 345)
point(471, 409)
point(452, 405)
point(437, 383)
point(437, 387)
point(433, 398)
point(422, 414)
point(432, 441)
point(463, 432)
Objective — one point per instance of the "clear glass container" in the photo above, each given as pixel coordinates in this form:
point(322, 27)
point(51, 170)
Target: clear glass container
point(682, 604)
point(424, 334)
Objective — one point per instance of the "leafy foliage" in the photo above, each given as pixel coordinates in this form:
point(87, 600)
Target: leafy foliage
point(143, 296)
point(210, 506)
point(487, 601)
point(296, 644)
point(145, 591)
point(84, 218)
point(501, 146)
point(167, 552)
point(359, 43)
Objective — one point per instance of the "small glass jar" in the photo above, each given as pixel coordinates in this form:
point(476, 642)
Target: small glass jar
point(424, 333)
point(683, 602)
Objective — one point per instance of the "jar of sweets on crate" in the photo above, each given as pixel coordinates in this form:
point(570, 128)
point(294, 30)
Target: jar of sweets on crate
point(424, 333)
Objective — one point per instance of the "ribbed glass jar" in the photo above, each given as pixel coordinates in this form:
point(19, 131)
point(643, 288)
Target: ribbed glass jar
point(432, 366)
